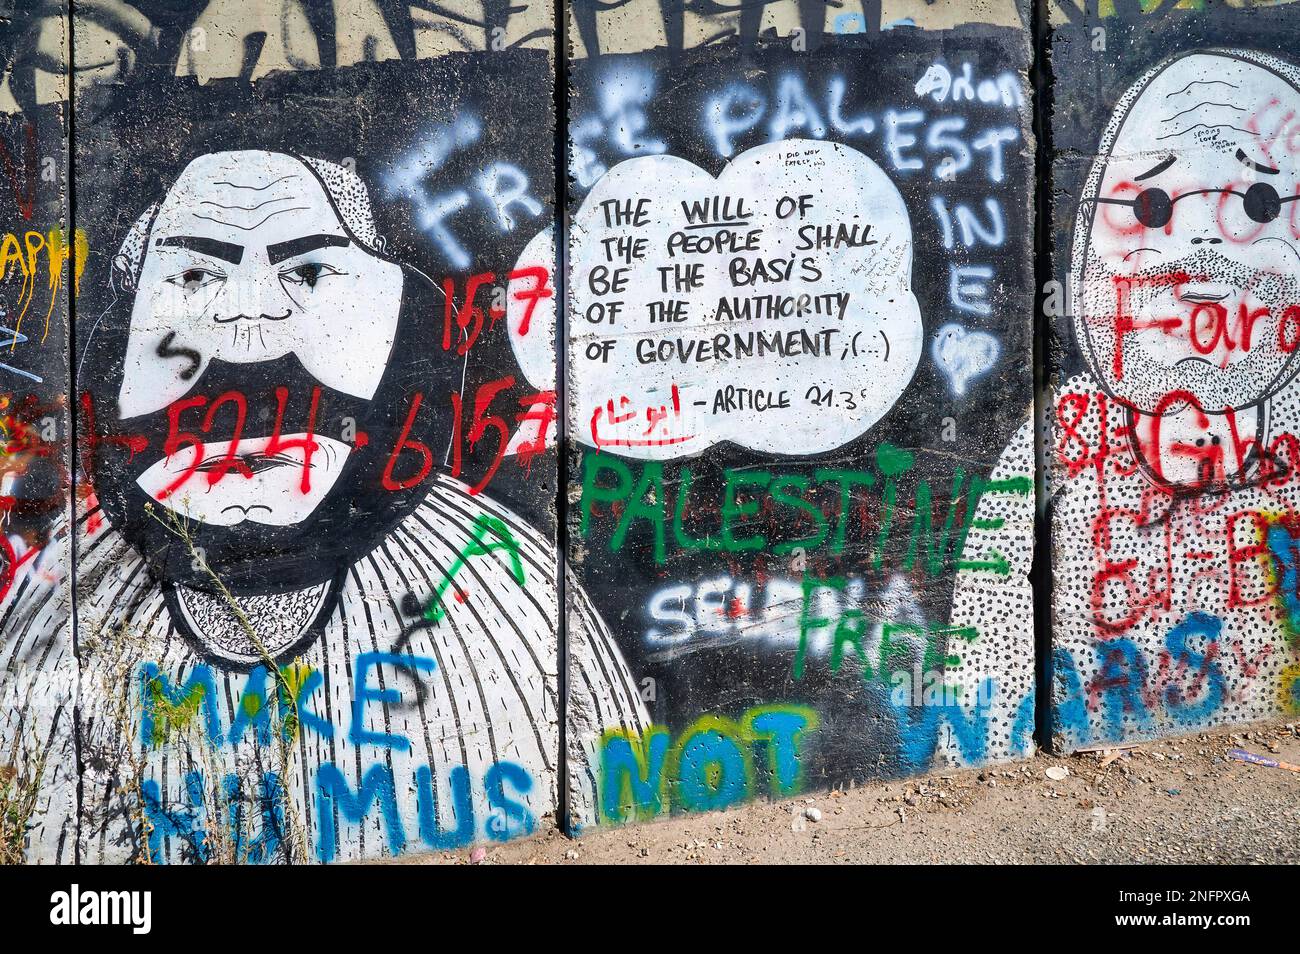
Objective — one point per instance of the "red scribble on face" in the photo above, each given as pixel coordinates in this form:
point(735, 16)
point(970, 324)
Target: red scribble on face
point(1218, 323)
point(1125, 322)
point(93, 440)
point(231, 461)
point(1127, 223)
point(468, 316)
point(307, 444)
point(177, 439)
point(539, 407)
point(10, 564)
point(1209, 458)
point(1228, 198)
point(1288, 329)
point(405, 443)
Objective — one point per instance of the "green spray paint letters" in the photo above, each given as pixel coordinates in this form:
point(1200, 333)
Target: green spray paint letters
point(483, 527)
point(754, 501)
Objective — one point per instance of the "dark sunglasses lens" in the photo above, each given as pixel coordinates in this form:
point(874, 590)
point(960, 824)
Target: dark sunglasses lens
point(1153, 208)
point(1262, 202)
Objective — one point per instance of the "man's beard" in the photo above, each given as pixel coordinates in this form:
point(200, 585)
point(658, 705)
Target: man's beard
point(1148, 378)
point(354, 516)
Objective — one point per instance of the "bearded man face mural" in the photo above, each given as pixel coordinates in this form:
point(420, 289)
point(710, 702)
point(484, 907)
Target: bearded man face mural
point(265, 360)
point(1186, 282)
point(265, 411)
point(1173, 450)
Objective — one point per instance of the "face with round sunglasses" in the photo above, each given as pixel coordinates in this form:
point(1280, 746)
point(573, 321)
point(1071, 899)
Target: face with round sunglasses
point(1188, 255)
point(1153, 208)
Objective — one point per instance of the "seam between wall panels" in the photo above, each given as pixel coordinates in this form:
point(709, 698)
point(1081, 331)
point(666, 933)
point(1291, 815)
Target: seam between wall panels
point(71, 208)
point(1041, 570)
point(560, 154)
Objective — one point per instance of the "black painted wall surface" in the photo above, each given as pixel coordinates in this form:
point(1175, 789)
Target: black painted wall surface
point(316, 603)
point(788, 598)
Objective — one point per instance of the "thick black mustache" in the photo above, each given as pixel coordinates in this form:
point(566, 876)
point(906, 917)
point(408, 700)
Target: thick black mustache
point(259, 415)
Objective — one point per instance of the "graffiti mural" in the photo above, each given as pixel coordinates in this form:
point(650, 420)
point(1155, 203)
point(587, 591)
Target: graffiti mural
point(315, 546)
point(1172, 446)
point(796, 350)
point(316, 590)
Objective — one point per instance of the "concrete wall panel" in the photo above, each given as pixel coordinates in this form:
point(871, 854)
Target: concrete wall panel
point(799, 393)
point(293, 569)
point(1172, 449)
point(316, 590)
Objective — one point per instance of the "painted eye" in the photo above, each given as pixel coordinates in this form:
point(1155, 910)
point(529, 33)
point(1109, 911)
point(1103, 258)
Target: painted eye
point(308, 274)
point(1153, 208)
point(1262, 202)
point(192, 279)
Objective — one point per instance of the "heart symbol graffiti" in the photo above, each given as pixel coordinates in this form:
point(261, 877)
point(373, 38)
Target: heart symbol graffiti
point(964, 355)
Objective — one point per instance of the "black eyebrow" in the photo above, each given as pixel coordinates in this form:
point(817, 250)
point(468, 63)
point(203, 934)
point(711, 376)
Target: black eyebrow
point(1157, 169)
point(1251, 163)
point(226, 251)
point(300, 246)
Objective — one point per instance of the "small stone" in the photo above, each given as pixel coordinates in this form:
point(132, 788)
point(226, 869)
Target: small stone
point(1057, 772)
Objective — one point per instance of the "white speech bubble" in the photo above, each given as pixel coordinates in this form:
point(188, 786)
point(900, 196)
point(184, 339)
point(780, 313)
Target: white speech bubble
point(704, 310)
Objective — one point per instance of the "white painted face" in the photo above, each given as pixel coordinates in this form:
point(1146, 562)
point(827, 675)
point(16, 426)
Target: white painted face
point(274, 494)
point(1191, 260)
point(247, 261)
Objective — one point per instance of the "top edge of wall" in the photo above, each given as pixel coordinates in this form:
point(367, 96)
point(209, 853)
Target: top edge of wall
point(1061, 13)
point(118, 40)
point(639, 25)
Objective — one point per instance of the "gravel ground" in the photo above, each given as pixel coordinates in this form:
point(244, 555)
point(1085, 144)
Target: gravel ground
point(1179, 800)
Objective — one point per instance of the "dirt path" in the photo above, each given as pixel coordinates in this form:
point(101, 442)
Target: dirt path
point(1177, 800)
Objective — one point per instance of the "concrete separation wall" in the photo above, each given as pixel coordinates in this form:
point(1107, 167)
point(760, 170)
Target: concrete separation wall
point(369, 485)
point(315, 598)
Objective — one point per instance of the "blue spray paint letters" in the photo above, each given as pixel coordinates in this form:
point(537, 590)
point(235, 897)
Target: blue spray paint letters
point(918, 729)
point(364, 693)
point(432, 832)
point(710, 766)
point(508, 818)
point(332, 790)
